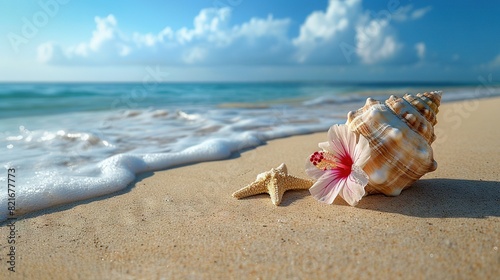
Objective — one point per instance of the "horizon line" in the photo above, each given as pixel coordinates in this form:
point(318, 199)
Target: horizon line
point(402, 82)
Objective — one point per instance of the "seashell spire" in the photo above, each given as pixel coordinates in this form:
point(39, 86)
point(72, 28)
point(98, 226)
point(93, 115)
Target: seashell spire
point(400, 132)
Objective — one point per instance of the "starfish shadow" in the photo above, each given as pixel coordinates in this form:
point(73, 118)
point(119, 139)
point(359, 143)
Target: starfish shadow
point(289, 198)
point(441, 198)
point(293, 195)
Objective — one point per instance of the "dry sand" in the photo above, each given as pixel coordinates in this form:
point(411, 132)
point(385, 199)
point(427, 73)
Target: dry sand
point(183, 222)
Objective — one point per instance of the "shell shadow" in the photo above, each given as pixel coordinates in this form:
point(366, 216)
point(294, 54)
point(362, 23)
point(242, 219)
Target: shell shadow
point(441, 198)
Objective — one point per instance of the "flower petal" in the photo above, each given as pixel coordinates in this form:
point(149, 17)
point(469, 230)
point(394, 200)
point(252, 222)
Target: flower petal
point(328, 186)
point(342, 140)
point(362, 152)
point(345, 142)
point(313, 171)
point(325, 146)
point(354, 188)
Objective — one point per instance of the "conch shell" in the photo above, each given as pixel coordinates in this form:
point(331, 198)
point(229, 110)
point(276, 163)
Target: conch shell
point(400, 132)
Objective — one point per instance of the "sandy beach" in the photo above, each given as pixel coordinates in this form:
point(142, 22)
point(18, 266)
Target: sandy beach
point(183, 223)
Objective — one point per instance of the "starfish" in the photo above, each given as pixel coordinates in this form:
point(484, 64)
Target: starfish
point(275, 182)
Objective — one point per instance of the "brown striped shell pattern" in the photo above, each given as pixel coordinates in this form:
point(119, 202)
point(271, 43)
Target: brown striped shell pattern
point(400, 132)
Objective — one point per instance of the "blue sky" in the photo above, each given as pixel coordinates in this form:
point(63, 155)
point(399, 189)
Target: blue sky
point(249, 40)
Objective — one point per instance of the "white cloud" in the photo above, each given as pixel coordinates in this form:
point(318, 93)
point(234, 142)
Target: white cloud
point(323, 39)
point(209, 25)
point(125, 50)
point(210, 40)
point(402, 13)
point(407, 12)
point(49, 52)
point(345, 33)
point(194, 55)
point(420, 48)
point(322, 28)
point(105, 29)
point(257, 28)
point(145, 39)
point(45, 52)
point(149, 39)
point(375, 41)
point(80, 49)
point(105, 44)
point(420, 12)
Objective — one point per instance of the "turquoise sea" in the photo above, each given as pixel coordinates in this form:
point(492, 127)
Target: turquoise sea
point(73, 141)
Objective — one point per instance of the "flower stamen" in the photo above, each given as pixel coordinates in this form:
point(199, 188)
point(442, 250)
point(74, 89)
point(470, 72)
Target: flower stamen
point(323, 160)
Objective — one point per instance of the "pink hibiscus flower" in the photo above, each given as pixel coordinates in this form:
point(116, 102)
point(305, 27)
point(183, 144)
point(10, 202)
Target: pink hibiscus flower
point(338, 168)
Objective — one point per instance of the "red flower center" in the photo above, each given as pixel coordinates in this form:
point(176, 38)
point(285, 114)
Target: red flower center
point(344, 165)
point(327, 161)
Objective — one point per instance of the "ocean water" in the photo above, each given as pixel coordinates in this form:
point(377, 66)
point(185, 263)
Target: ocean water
point(69, 142)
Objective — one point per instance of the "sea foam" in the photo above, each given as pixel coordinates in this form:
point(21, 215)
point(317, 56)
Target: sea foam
point(50, 188)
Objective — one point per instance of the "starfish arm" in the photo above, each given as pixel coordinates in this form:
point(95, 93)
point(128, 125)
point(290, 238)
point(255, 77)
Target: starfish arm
point(282, 169)
point(258, 187)
point(273, 188)
point(295, 183)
